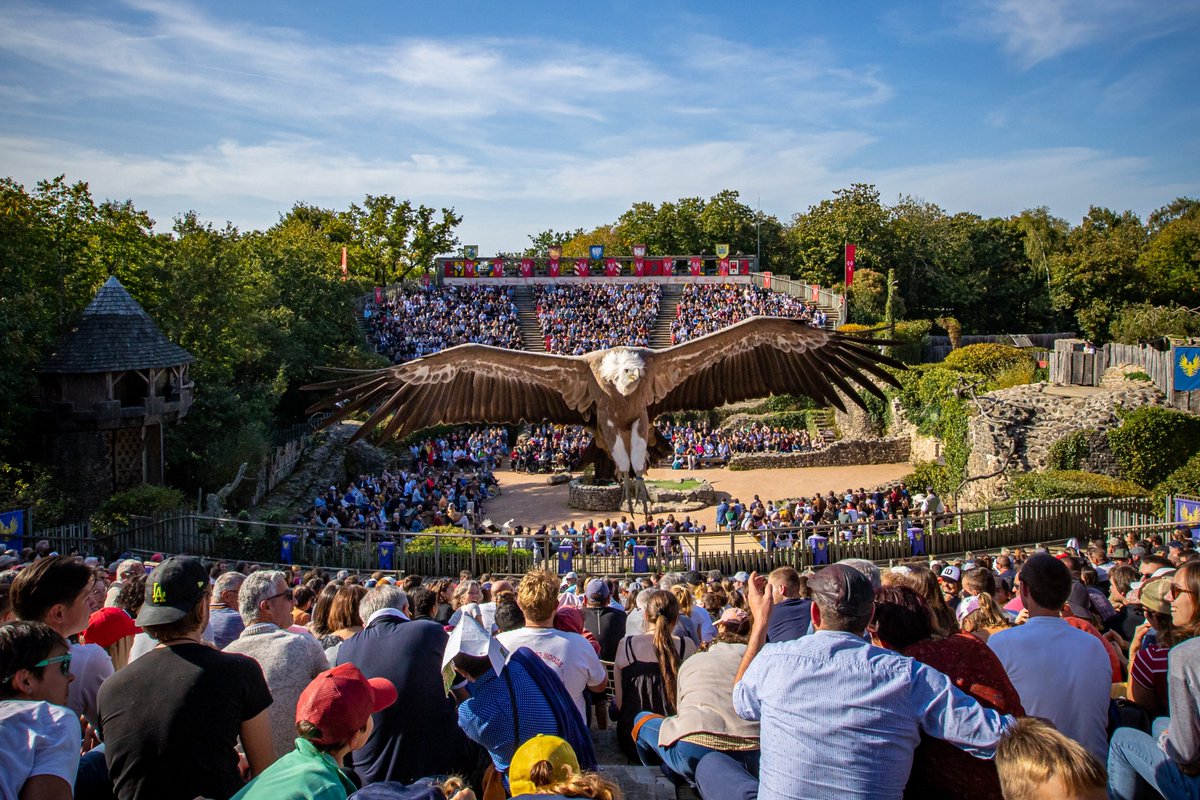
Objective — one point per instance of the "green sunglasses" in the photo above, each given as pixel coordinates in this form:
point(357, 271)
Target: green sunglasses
point(64, 660)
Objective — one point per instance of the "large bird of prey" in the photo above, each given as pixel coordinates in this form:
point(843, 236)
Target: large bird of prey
point(615, 392)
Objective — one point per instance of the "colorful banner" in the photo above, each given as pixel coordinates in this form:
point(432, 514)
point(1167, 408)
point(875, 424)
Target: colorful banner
point(378, 295)
point(555, 252)
point(816, 293)
point(850, 250)
point(696, 263)
point(639, 267)
point(470, 252)
point(723, 267)
point(497, 267)
point(596, 252)
point(526, 267)
point(425, 281)
point(820, 548)
point(1188, 511)
point(469, 268)
point(448, 269)
point(641, 558)
point(387, 555)
point(722, 251)
point(566, 559)
point(552, 268)
point(656, 266)
point(287, 548)
point(639, 251)
point(916, 540)
point(1187, 368)
point(581, 267)
point(612, 268)
point(744, 267)
point(13, 530)
point(767, 280)
point(345, 268)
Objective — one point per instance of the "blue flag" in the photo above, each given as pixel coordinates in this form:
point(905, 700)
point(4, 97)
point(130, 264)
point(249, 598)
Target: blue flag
point(387, 555)
point(287, 544)
point(916, 538)
point(12, 530)
point(1187, 368)
point(820, 548)
point(566, 559)
point(596, 251)
point(641, 558)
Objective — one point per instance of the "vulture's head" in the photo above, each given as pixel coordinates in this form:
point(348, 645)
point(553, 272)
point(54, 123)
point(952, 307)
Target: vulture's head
point(623, 369)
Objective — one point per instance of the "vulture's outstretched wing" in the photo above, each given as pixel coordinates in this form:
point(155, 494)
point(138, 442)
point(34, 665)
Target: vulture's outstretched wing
point(464, 384)
point(763, 356)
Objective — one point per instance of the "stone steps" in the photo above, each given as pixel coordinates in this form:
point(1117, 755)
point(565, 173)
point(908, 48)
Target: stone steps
point(668, 308)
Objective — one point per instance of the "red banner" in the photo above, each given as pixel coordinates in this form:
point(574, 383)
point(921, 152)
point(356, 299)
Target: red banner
point(448, 269)
point(744, 267)
point(552, 268)
point(378, 295)
point(767, 280)
point(697, 265)
point(639, 267)
point(345, 269)
point(850, 264)
point(668, 266)
point(581, 267)
point(526, 267)
point(469, 268)
point(723, 267)
point(816, 293)
point(497, 267)
point(612, 268)
point(656, 266)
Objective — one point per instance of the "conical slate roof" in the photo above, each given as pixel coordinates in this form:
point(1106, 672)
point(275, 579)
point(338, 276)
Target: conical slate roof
point(113, 335)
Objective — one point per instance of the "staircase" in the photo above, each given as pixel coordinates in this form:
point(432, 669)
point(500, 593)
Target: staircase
point(531, 331)
point(668, 308)
point(826, 426)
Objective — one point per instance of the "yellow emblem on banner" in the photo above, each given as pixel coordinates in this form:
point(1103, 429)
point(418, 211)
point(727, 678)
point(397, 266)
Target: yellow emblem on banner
point(1189, 367)
point(722, 251)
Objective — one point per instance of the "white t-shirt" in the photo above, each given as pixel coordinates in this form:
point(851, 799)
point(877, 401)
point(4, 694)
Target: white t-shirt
point(91, 666)
point(36, 738)
point(568, 654)
point(1061, 673)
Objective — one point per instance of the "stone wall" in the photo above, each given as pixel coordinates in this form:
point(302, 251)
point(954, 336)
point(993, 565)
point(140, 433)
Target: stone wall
point(1027, 420)
point(839, 454)
point(664, 500)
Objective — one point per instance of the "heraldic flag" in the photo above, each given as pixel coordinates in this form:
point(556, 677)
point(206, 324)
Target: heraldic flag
point(1187, 369)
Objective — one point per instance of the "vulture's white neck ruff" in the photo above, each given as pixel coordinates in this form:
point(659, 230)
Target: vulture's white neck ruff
point(623, 369)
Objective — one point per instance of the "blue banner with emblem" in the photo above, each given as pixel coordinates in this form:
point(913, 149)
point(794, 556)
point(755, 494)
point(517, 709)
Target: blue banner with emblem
point(1188, 511)
point(566, 559)
point(12, 529)
point(641, 558)
point(820, 548)
point(387, 555)
point(596, 251)
point(916, 539)
point(287, 548)
point(1187, 368)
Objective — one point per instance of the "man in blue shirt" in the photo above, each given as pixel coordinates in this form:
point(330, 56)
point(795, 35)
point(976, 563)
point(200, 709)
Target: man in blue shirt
point(856, 736)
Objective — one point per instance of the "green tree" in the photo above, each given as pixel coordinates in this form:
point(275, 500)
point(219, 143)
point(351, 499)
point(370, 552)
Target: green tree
point(1098, 274)
point(1171, 260)
point(395, 239)
point(816, 239)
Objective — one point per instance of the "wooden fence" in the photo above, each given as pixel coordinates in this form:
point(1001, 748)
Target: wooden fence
point(938, 347)
point(1024, 523)
point(1074, 363)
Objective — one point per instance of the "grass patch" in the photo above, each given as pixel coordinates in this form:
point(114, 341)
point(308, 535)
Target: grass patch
point(686, 483)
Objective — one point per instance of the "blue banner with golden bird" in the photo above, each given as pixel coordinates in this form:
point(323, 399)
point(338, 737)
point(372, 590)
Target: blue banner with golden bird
point(1187, 511)
point(12, 530)
point(1187, 369)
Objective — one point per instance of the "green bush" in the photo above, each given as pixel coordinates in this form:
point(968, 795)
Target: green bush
point(930, 473)
point(1142, 322)
point(1070, 451)
point(1071, 483)
point(1152, 442)
point(455, 542)
point(797, 420)
point(928, 398)
point(140, 501)
point(1185, 480)
point(1138, 376)
point(987, 359)
point(910, 336)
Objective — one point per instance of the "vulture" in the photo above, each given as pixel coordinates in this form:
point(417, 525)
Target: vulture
point(615, 392)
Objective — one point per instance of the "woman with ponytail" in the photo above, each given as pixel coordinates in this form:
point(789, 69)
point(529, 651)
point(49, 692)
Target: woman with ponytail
point(647, 668)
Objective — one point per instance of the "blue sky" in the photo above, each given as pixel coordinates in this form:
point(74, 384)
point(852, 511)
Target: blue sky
point(537, 115)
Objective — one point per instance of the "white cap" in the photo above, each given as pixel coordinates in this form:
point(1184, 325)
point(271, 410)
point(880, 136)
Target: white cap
point(470, 638)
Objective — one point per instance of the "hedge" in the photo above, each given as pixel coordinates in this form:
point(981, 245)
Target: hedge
point(1070, 451)
point(455, 542)
point(141, 501)
point(1071, 484)
point(1185, 480)
point(1152, 442)
point(987, 359)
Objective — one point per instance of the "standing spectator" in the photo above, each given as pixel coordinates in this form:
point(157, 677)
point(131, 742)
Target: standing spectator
point(172, 719)
point(112, 629)
point(419, 736)
point(791, 616)
point(289, 661)
point(39, 736)
point(602, 619)
point(224, 619)
point(856, 737)
point(127, 569)
point(55, 590)
point(1061, 673)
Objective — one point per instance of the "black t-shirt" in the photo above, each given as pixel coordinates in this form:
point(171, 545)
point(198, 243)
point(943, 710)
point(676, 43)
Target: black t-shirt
point(608, 626)
point(789, 620)
point(170, 722)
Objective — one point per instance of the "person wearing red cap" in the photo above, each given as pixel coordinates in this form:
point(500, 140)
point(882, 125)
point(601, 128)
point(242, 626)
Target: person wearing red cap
point(112, 629)
point(333, 718)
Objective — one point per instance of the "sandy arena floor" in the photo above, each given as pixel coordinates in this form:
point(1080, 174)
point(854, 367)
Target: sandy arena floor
point(529, 500)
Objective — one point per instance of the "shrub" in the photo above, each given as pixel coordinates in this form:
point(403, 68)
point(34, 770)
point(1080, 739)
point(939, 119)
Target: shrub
point(1071, 483)
point(1153, 442)
point(953, 329)
point(1137, 376)
point(988, 359)
point(1017, 375)
point(457, 541)
point(855, 329)
point(910, 337)
point(930, 473)
point(1142, 322)
point(1070, 451)
point(140, 501)
point(1185, 480)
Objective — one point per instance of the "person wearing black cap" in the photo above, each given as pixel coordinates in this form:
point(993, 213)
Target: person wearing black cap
point(855, 737)
point(171, 720)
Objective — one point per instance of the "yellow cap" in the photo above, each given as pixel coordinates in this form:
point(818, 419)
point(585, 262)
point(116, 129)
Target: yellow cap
point(540, 748)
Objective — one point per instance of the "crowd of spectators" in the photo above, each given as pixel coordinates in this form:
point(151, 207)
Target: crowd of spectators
point(551, 448)
point(577, 319)
point(412, 323)
point(705, 308)
point(1017, 675)
point(695, 445)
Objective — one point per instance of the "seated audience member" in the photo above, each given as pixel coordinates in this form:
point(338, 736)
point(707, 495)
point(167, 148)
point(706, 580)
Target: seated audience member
point(289, 661)
point(344, 619)
point(1168, 761)
point(507, 704)
point(1061, 673)
point(546, 766)
point(112, 629)
point(418, 736)
point(171, 720)
point(791, 616)
point(568, 654)
point(333, 719)
point(303, 598)
point(602, 619)
point(1148, 655)
point(224, 619)
point(423, 602)
point(856, 737)
point(55, 590)
point(1036, 762)
point(129, 568)
point(39, 735)
point(705, 720)
point(904, 624)
point(508, 615)
point(987, 618)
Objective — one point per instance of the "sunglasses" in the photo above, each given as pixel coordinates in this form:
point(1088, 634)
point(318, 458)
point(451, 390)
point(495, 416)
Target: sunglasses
point(286, 593)
point(1175, 591)
point(63, 660)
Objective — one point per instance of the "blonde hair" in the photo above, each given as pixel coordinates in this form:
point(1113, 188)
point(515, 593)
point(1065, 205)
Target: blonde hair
point(118, 651)
point(459, 598)
point(538, 595)
point(686, 601)
point(1032, 753)
point(575, 784)
point(987, 615)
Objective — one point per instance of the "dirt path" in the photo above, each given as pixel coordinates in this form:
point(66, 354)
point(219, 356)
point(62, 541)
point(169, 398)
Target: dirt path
point(529, 500)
